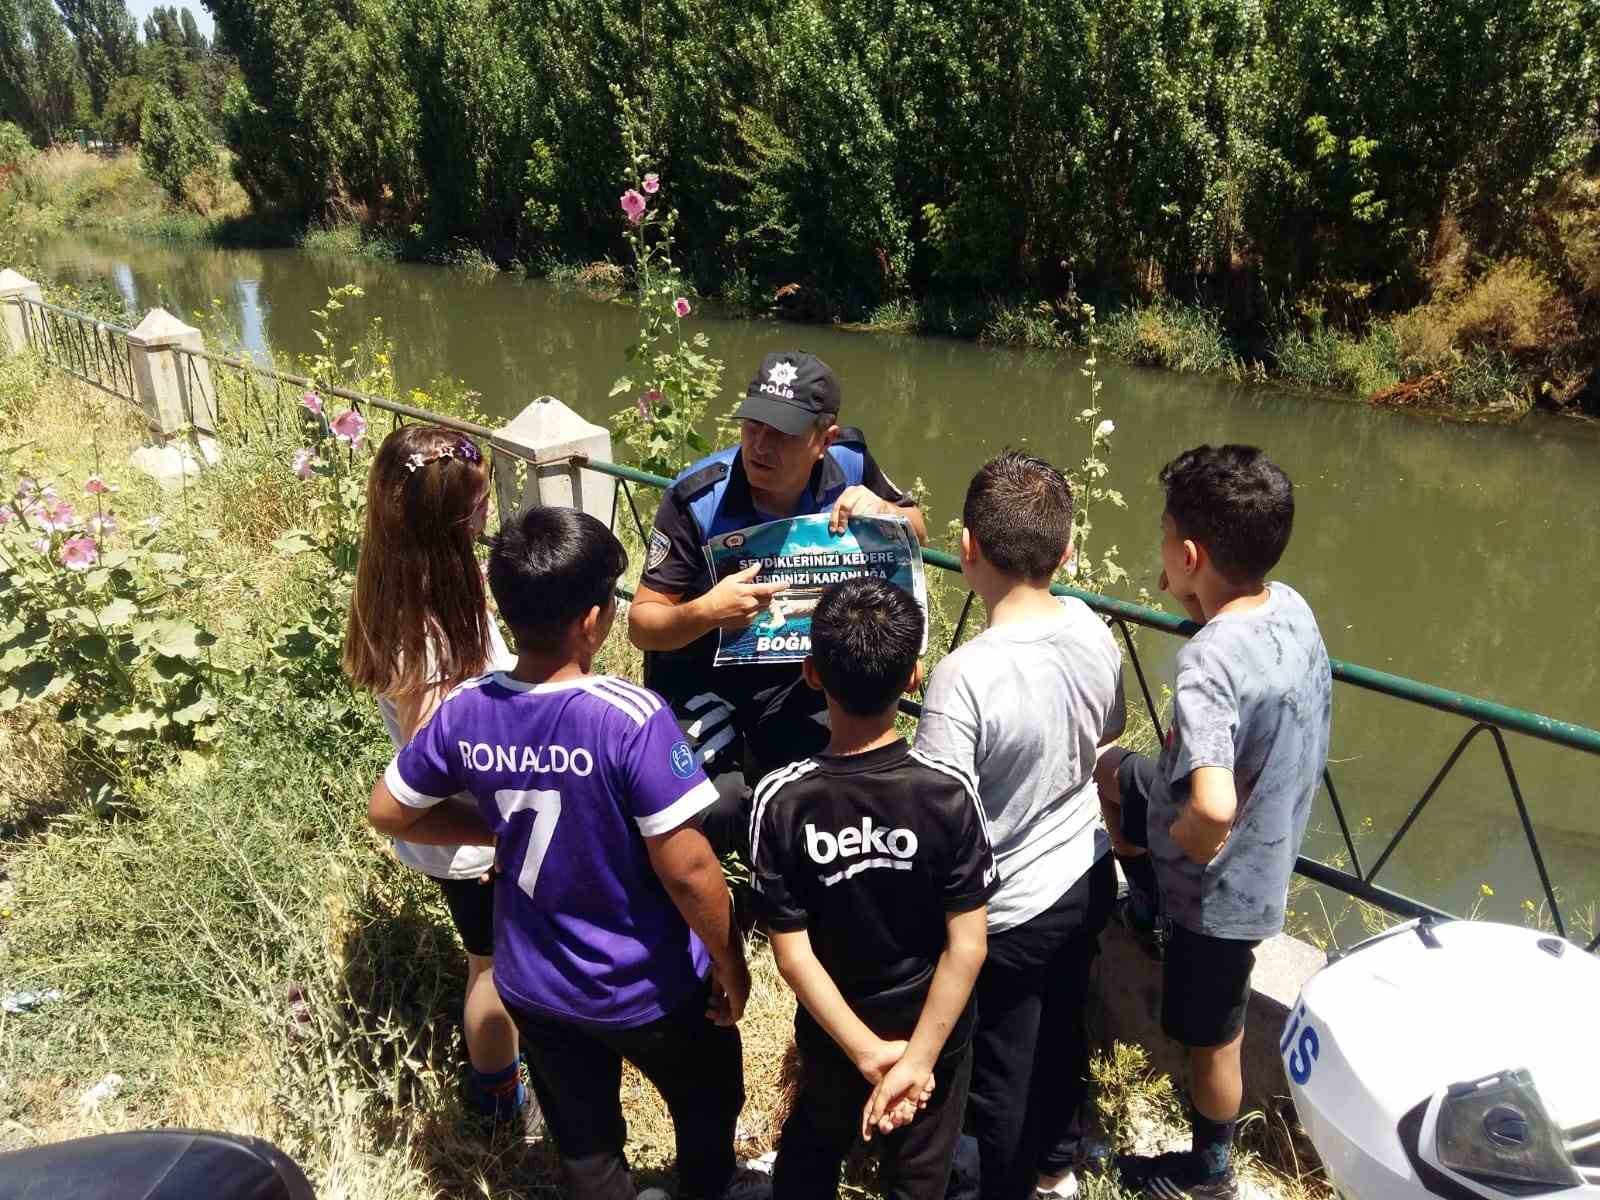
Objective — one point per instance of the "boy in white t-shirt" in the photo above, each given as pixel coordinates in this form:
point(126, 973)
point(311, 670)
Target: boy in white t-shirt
point(1025, 707)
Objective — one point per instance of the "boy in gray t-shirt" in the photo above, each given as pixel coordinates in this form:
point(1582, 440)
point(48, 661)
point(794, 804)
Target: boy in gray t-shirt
point(1025, 708)
point(1223, 809)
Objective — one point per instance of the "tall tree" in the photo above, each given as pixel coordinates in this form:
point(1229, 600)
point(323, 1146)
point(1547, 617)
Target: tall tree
point(107, 40)
point(193, 40)
point(38, 69)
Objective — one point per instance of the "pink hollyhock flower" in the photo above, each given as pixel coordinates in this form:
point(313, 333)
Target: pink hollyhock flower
point(7, 515)
point(349, 426)
point(681, 307)
point(651, 184)
point(42, 545)
point(58, 516)
point(27, 487)
point(95, 486)
point(633, 205)
point(103, 526)
point(648, 401)
point(79, 553)
point(312, 402)
point(304, 459)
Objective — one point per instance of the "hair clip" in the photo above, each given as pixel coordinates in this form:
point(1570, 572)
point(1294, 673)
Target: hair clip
point(465, 449)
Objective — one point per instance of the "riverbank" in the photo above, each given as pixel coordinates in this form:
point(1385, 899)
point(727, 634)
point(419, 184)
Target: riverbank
point(225, 934)
point(69, 189)
point(1495, 340)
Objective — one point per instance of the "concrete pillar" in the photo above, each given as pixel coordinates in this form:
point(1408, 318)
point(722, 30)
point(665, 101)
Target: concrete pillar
point(174, 389)
point(533, 462)
point(13, 324)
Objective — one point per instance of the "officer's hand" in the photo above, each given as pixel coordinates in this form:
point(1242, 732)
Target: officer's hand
point(737, 600)
point(857, 501)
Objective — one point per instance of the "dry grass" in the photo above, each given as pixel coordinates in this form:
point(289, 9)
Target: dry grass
point(1512, 309)
point(70, 188)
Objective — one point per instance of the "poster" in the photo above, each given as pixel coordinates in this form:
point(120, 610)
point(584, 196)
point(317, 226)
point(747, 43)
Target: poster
point(802, 553)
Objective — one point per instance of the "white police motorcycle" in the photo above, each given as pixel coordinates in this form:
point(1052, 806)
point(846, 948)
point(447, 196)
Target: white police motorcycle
point(1454, 1059)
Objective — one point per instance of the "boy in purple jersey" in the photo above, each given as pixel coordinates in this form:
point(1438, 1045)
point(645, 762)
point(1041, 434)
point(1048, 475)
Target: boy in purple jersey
point(613, 932)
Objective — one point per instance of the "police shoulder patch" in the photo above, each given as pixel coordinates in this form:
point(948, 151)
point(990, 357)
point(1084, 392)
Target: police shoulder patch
point(659, 548)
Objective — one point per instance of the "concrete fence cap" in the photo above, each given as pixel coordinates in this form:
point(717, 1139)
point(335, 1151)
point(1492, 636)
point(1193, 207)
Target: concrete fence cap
point(161, 328)
point(14, 283)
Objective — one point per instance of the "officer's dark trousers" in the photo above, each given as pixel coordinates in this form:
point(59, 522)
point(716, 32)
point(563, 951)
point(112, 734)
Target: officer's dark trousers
point(739, 737)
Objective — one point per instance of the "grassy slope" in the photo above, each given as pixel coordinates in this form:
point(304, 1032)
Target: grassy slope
point(182, 919)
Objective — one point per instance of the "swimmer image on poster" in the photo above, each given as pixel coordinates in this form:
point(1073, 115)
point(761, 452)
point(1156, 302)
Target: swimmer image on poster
point(802, 553)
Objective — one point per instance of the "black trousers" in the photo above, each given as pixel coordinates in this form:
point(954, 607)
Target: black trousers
point(739, 735)
point(697, 1067)
point(1030, 1068)
point(825, 1123)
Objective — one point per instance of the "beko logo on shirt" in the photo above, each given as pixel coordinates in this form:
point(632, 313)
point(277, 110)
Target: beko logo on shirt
point(549, 760)
point(891, 848)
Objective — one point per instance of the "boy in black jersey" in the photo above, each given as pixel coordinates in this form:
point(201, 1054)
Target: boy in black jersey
point(873, 870)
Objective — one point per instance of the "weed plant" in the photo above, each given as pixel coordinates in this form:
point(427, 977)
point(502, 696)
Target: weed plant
point(1173, 336)
point(1334, 362)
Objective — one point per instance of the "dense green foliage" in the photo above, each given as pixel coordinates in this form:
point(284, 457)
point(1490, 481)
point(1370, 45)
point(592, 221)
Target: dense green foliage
point(79, 65)
point(868, 148)
point(174, 141)
point(15, 148)
point(39, 73)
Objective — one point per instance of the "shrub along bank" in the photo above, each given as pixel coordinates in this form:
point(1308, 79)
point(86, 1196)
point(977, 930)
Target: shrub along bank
point(1291, 167)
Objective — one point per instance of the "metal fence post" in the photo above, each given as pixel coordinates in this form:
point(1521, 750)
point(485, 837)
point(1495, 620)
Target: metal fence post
point(174, 389)
point(15, 288)
point(547, 436)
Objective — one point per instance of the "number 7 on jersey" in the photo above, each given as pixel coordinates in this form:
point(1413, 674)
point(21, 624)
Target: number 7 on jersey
point(546, 808)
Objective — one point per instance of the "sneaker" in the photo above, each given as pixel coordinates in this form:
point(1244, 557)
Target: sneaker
point(1175, 1176)
point(750, 1182)
point(762, 1165)
point(1150, 935)
point(521, 1117)
point(1066, 1188)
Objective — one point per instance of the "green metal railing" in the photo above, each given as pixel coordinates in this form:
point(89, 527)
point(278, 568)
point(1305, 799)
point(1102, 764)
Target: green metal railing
point(88, 349)
point(1488, 718)
point(265, 394)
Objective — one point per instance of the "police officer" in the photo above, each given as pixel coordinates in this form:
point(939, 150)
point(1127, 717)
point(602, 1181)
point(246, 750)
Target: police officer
point(792, 460)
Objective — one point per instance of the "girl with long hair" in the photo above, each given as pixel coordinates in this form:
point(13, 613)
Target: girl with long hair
point(419, 626)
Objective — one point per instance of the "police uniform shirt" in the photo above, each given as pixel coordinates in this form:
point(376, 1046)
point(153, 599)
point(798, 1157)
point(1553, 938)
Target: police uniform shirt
point(868, 853)
point(675, 561)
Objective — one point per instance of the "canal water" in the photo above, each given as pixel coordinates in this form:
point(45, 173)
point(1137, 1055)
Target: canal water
point(1463, 555)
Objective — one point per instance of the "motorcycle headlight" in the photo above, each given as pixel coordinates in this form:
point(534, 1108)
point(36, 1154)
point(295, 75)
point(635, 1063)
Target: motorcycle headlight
point(1496, 1131)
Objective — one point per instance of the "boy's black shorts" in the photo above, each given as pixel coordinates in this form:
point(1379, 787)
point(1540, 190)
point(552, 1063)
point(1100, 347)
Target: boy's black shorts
point(472, 909)
point(1205, 987)
point(1205, 981)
